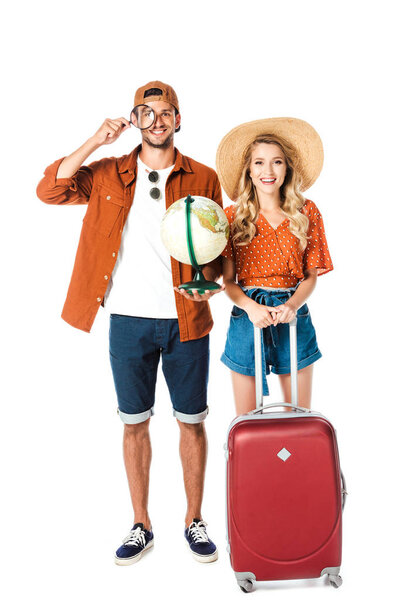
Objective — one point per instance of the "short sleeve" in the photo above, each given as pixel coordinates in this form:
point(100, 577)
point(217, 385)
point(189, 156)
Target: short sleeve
point(316, 255)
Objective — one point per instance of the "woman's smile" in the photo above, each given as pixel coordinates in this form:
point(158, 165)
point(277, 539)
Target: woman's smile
point(268, 168)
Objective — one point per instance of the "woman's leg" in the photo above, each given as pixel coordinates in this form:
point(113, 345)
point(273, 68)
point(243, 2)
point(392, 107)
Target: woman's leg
point(304, 382)
point(244, 391)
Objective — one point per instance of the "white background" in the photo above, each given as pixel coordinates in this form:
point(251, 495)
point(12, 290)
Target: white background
point(67, 66)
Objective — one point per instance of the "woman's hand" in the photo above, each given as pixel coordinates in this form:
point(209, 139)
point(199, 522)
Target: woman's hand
point(260, 315)
point(285, 312)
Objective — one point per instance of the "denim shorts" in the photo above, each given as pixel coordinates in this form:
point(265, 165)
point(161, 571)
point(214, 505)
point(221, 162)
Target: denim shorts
point(136, 345)
point(239, 348)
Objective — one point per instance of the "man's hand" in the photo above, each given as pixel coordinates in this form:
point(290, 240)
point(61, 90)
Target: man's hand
point(106, 134)
point(110, 131)
point(196, 297)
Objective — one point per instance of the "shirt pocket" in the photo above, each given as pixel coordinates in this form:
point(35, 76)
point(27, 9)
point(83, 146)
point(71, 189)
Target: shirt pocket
point(104, 209)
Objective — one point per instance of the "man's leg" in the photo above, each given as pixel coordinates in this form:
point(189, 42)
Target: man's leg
point(137, 457)
point(193, 452)
point(185, 366)
point(134, 359)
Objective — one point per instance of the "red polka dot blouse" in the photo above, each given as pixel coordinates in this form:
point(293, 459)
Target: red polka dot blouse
point(273, 257)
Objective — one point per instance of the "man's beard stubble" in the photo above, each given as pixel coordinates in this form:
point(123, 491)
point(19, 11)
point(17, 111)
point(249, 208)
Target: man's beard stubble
point(165, 144)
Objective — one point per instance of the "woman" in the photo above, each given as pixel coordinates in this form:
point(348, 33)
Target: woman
point(276, 250)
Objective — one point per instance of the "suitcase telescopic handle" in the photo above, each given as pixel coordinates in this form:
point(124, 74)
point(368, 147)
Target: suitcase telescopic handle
point(293, 364)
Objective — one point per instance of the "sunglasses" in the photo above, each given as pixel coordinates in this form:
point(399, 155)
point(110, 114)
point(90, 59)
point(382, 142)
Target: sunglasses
point(155, 192)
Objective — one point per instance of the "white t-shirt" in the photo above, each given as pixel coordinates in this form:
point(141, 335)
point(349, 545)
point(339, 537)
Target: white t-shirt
point(141, 284)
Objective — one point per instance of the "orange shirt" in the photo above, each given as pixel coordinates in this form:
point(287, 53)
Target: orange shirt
point(273, 258)
point(107, 186)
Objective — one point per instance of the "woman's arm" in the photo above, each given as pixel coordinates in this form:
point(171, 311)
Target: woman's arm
point(259, 315)
point(286, 312)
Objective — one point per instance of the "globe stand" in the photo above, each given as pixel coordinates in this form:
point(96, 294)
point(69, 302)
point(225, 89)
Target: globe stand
point(199, 282)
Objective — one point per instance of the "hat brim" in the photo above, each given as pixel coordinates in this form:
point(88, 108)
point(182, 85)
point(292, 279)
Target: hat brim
point(300, 134)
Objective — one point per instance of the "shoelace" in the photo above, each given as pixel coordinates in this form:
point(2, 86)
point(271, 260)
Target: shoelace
point(198, 532)
point(136, 537)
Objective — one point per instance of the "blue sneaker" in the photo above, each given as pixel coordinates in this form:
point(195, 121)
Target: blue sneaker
point(202, 548)
point(134, 545)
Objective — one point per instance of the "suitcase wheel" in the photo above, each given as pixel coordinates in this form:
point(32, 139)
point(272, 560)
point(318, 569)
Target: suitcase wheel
point(246, 585)
point(335, 580)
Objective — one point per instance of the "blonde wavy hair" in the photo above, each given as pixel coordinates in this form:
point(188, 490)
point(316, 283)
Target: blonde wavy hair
point(248, 206)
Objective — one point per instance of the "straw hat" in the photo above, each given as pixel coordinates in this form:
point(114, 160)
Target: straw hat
point(298, 133)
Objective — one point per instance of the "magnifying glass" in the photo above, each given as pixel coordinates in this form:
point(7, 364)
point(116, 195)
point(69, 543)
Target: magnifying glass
point(142, 116)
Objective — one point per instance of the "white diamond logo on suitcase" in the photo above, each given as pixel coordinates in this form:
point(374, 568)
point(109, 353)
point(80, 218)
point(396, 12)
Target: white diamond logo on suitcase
point(284, 454)
point(283, 522)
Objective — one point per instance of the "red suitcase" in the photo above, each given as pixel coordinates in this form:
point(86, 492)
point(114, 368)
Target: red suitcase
point(285, 490)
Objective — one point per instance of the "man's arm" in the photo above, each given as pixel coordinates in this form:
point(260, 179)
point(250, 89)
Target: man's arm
point(66, 181)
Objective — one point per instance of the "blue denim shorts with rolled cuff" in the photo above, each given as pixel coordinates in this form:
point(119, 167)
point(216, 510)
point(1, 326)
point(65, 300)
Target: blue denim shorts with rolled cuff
point(239, 348)
point(136, 345)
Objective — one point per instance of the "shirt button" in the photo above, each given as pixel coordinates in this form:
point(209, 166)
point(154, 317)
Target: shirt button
point(98, 299)
point(114, 255)
point(108, 198)
point(105, 276)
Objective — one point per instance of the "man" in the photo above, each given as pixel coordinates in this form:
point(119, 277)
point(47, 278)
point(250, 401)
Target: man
point(121, 263)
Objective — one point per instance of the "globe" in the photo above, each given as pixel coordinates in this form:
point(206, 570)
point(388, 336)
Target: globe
point(209, 227)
